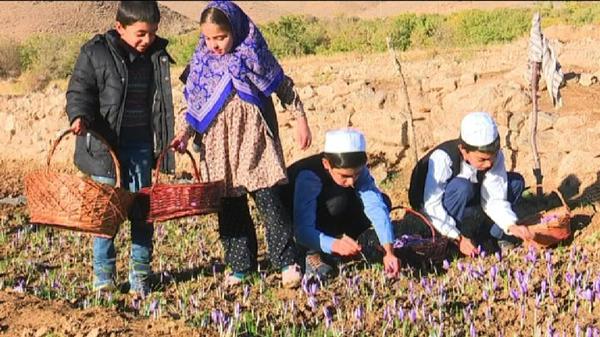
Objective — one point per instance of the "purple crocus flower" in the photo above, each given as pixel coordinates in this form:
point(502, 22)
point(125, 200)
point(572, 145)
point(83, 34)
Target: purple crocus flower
point(153, 306)
point(445, 264)
point(328, 317)
point(588, 295)
point(236, 310)
point(312, 302)
point(472, 330)
point(589, 332)
point(20, 287)
point(358, 313)
point(484, 295)
point(412, 315)
point(135, 303)
point(498, 256)
point(570, 279)
point(401, 314)
point(514, 294)
point(543, 289)
point(538, 299)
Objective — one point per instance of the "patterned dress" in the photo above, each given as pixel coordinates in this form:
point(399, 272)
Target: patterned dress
point(237, 148)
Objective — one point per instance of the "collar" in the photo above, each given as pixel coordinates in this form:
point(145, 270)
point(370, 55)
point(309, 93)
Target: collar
point(128, 52)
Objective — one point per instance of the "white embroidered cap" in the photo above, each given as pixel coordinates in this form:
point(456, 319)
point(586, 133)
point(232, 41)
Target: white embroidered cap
point(478, 129)
point(344, 140)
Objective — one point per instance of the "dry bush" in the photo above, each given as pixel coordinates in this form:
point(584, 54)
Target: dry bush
point(10, 62)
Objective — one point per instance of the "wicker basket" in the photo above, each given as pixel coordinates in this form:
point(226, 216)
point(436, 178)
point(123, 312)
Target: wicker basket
point(414, 248)
point(172, 201)
point(76, 203)
point(549, 227)
point(432, 248)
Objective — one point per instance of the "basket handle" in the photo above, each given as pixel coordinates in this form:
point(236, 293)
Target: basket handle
point(160, 159)
point(562, 199)
point(565, 205)
point(420, 216)
point(113, 155)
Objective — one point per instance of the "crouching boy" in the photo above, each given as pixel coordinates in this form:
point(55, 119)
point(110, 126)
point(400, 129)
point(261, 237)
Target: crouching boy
point(333, 199)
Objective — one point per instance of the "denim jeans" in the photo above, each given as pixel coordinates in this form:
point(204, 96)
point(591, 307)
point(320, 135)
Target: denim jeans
point(136, 172)
point(462, 200)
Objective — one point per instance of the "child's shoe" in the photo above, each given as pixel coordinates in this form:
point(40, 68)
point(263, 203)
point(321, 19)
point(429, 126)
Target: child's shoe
point(234, 279)
point(291, 276)
point(316, 267)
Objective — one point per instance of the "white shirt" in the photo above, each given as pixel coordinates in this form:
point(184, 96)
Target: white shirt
point(493, 192)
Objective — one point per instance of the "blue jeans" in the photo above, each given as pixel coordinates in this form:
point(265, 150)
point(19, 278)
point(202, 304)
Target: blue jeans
point(136, 172)
point(462, 200)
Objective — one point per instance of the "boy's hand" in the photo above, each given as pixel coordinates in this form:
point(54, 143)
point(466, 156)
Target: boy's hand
point(345, 246)
point(78, 127)
point(391, 263)
point(522, 232)
point(180, 142)
point(466, 247)
point(303, 135)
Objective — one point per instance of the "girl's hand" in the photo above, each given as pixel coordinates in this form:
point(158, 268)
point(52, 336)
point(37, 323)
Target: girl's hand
point(303, 135)
point(180, 142)
point(391, 264)
point(78, 127)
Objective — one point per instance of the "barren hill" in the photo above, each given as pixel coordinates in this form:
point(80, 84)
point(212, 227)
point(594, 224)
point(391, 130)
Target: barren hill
point(21, 19)
point(264, 11)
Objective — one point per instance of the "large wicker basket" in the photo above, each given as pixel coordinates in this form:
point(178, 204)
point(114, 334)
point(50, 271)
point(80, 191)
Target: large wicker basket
point(76, 203)
point(172, 201)
point(549, 227)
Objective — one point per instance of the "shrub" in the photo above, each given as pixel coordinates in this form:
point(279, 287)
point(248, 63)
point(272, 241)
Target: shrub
point(10, 62)
point(483, 27)
point(294, 35)
point(402, 29)
point(182, 47)
point(51, 56)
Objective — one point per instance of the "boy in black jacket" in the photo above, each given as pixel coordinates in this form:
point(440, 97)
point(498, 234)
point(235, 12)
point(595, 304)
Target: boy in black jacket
point(120, 88)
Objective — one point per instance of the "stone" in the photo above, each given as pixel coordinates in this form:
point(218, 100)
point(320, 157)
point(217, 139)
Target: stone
point(325, 91)
point(587, 80)
point(41, 331)
point(467, 79)
point(306, 92)
point(340, 87)
point(570, 122)
point(10, 124)
point(380, 98)
point(94, 332)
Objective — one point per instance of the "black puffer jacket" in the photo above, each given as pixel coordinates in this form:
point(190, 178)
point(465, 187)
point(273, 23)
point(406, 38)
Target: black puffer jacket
point(96, 93)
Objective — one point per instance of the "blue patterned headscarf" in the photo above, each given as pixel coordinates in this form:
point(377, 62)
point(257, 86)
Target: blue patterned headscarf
point(249, 68)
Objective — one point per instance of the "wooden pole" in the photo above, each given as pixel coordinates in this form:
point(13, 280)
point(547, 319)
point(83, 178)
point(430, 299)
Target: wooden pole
point(404, 91)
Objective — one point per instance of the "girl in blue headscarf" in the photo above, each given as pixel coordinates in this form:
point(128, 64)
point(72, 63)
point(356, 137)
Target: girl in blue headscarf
point(230, 79)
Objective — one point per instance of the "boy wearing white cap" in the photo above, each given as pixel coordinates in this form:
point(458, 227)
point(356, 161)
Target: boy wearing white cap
point(333, 199)
point(461, 178)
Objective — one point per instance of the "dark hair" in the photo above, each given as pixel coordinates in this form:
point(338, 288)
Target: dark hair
point(216, 16)
point(490, 148)
point(130, 12)
point(346, 160)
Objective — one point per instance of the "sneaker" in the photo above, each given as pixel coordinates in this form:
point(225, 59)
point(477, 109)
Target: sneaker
point(316, 267)
point(507, 243)
point(104, 286)
point(291, 276)
point(139, 285)
point(234, 279)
